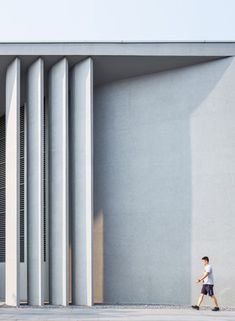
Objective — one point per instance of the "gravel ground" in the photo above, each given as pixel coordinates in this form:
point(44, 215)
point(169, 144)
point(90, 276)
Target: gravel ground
point(115, 313)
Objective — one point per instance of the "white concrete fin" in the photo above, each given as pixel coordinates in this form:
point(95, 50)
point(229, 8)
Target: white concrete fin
point(58, 183)
point(12, 183)
point(81, 180)
point(35, 139)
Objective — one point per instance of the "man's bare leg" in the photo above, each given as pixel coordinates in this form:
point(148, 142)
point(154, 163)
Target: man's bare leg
point(200, 299)
point(213, 299)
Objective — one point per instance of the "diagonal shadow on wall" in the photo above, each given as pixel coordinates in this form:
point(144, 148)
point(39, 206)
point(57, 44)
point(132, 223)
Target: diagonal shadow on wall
point(142, 184)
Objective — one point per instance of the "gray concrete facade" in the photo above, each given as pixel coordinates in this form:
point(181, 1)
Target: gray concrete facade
point(127, 188)
point(163, 157)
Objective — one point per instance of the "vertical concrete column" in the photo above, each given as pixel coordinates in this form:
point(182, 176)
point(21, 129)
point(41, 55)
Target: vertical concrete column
point(58, 182)
point(12, 183)
point(35, 114)
point(81, 180)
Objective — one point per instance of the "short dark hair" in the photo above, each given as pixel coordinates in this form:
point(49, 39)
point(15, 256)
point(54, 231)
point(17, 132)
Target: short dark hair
point(206, 258)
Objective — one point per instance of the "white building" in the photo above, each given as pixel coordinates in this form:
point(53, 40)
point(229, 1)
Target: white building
point(117, 171)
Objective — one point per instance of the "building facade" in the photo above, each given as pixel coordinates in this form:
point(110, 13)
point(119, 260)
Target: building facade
point(117, 171)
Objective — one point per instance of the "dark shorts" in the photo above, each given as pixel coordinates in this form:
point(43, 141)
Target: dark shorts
point(207, 289)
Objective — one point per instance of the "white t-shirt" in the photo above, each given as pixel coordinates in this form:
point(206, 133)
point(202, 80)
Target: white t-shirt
point(209, 279)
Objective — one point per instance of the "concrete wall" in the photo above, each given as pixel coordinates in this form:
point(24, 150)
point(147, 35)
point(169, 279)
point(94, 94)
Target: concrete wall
point(164, 184)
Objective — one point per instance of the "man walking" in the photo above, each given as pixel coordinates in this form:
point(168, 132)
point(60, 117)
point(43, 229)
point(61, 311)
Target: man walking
point(208, 284)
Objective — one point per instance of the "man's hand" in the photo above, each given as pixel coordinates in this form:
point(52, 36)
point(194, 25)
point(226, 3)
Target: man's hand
point(203, 277)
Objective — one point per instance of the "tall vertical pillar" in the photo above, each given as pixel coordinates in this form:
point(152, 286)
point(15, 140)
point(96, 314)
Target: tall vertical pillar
point(35, 114)
point(81, 180)
point(13, 183)
point(58, 182)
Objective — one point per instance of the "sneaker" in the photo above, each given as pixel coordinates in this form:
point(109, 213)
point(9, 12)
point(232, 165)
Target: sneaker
point(215, 309)
point(196, 307)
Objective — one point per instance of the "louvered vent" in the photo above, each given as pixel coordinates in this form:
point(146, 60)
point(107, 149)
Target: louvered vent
point(44, 184)
point(22, 155)
point(3, 187)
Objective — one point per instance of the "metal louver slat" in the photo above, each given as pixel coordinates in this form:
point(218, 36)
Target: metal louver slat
point(3, 188)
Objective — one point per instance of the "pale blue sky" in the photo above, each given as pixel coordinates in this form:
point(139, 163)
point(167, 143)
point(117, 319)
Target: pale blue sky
point(104, 20)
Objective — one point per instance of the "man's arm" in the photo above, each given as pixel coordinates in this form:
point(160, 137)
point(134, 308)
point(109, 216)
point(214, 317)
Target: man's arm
point(203, 277)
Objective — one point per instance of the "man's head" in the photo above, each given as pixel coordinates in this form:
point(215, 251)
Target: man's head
point(205, 260)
